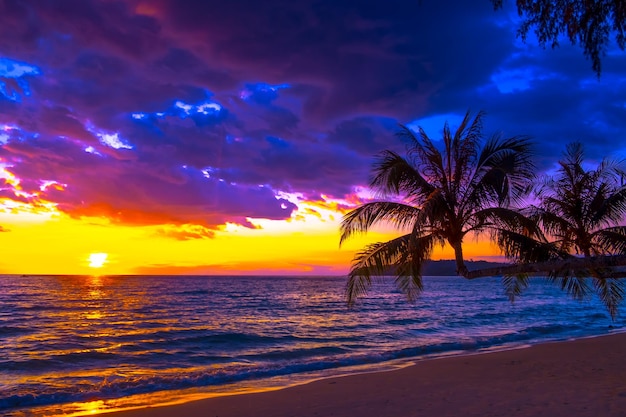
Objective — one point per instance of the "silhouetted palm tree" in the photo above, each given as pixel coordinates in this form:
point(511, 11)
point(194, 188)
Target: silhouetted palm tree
point(440, 197)
point(582, 213)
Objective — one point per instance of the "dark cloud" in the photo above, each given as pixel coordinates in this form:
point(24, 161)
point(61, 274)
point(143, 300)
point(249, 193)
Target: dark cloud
point(365, 135)
point(552, 96)
point(198, 113)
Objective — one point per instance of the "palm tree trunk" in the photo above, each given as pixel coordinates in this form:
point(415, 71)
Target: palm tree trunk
point(461, 269)
point(544, 268)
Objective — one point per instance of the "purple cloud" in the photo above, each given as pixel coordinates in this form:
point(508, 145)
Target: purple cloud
point(184, 113)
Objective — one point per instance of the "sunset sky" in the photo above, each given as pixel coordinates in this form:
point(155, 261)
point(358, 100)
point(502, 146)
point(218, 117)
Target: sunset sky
point(206, 137)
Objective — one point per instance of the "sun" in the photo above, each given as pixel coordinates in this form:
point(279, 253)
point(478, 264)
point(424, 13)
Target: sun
point(97, 260)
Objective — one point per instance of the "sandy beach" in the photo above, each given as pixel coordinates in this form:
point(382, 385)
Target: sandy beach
point(585, 377)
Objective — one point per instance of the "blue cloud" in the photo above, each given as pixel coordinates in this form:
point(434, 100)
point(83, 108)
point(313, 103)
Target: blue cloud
point(203, 113)
point(277, 143)
point(261, 93)
point(15, 75)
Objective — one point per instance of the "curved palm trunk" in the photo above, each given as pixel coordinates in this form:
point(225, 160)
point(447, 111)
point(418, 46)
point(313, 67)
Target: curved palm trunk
point(544, 268)
point(461, 269)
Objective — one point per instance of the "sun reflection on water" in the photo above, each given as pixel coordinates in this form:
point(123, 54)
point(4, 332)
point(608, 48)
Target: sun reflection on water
point(92, 407)
point(95, 295)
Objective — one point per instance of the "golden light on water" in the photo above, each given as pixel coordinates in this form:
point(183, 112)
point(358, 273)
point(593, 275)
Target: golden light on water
point(97, 260)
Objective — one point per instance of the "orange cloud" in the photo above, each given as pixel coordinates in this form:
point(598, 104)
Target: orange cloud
point(186, 232)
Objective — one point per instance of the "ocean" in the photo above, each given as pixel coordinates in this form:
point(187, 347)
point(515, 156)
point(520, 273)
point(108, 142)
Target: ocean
point(71, 345)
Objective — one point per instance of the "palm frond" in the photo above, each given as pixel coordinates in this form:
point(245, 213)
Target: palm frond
point(596, 198)
point(573, 161)
point(611, 293)
point(612, 209)
point(524, 248)
point(422, 151)
point(430, 159)
point(468, 135)
point(409, 276)
point(403, 256)
point(514, 285)
point(504, 170)
point(361, 219)
point(410, 284)
point(553, 223)
point(464, 148)
point(510, 219)
point(564, 207)
point(409, 269)
point(394, 175)
point(371, 261)
point(611, 240)
point(573, 282)
point(434, 208)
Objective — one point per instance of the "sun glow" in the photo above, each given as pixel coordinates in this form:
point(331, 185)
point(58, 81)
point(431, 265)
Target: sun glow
point(97, 260)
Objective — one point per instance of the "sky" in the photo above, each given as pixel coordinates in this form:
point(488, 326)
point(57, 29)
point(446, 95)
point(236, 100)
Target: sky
point(209, 137)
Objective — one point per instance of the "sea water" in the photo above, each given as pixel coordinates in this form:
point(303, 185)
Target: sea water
point(76, 344)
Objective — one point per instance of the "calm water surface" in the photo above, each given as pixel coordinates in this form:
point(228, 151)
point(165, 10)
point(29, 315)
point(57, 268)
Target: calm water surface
point(79, 344)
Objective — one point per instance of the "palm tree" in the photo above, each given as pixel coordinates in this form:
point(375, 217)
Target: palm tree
point(582, 213)
point(439, 197)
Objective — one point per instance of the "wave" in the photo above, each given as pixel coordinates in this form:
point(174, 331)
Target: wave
point(192, 292)
point(52, 362)
point(7, 331)
point(406, 321)
point(210, 338)
point(255, 367)
point(161, 334)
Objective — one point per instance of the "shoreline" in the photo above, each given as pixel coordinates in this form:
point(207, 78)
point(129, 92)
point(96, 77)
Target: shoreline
point(578, 377)
point(183, 351)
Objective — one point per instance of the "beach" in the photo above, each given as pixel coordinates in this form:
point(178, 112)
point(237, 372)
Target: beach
point(584, 377)
point(102, 345)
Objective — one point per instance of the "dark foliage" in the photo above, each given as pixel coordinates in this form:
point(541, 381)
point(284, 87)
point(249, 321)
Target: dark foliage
point(587, 23)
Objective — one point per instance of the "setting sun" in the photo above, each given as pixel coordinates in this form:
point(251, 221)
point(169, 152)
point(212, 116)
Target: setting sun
point(97, 260)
